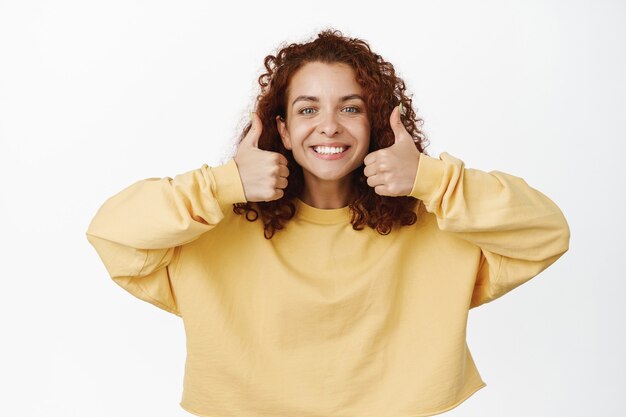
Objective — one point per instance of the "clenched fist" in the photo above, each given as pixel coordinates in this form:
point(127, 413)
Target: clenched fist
point(391, 171)
point(263, 173)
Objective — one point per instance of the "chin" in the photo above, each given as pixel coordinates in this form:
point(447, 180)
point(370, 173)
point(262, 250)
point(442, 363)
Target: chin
point(330, 176)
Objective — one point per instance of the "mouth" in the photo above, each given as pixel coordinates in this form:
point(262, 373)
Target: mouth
point(330, 153)
point(330, 150)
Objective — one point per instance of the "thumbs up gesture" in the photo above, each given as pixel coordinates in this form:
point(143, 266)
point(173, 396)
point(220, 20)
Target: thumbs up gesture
point(263, 173)
point(392, 170)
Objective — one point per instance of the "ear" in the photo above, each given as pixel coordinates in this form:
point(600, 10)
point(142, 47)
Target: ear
point(284, 134)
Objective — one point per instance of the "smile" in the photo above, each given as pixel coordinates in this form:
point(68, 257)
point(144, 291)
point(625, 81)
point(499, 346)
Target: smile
point(329, 152)
point(329, 149)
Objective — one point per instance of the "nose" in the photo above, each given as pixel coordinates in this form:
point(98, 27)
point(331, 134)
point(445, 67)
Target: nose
point(329, 125)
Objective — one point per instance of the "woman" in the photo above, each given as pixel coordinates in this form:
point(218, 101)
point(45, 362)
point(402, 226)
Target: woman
point(329, 267)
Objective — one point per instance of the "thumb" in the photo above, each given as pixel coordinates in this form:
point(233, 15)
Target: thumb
point(395, 121)
point(252, 137)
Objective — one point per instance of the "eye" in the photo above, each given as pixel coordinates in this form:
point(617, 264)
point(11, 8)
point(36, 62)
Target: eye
point(304, 109)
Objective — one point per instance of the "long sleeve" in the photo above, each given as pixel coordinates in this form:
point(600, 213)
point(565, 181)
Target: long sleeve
point(138, 232)
point(519, 230)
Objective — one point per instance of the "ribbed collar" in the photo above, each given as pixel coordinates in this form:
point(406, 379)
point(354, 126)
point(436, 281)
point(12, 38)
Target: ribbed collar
point(321, 216)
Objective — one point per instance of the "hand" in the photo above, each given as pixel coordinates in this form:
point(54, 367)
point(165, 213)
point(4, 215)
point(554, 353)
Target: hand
point(263, 173)
point(392, 170)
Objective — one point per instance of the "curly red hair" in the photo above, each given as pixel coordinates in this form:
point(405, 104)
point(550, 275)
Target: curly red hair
point(383, 90)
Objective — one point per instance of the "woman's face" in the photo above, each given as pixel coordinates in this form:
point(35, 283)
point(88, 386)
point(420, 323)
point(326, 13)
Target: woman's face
point(325, 107)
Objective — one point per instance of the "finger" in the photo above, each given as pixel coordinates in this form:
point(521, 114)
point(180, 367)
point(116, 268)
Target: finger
point(278, 194)
point(392, 116)
point(370, 170)
point(283, 171)
point(381, 190)
point(395, 120)
point(252, 138)
point(375, 180)
point(282, 183)
point(282, 160)
point(370, 158)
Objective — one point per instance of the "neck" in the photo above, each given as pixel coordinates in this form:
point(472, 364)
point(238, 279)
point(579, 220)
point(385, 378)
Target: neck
point(326, 194)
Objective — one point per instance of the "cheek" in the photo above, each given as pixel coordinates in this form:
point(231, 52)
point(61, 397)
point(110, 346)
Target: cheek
point(362, 134)
point(362, 153)
point(299, 133)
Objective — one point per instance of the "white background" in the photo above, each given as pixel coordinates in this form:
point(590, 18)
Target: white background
point(95, 95)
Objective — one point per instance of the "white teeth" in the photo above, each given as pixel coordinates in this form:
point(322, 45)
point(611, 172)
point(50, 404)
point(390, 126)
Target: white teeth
point(328, 149)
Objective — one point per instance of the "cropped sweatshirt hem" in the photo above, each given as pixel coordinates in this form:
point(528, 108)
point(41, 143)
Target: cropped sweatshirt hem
point(461, 399)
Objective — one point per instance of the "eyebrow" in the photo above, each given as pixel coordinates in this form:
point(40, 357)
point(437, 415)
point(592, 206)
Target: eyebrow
point(313, 98)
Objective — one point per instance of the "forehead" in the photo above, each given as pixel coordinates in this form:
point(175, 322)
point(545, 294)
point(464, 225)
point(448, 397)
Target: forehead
point(318, 78)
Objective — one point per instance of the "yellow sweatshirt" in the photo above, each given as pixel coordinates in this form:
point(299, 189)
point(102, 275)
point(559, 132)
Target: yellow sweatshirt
point(323, 320)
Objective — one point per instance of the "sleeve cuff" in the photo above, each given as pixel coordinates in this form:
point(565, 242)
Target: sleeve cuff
point(429, 177)
point(228, 185)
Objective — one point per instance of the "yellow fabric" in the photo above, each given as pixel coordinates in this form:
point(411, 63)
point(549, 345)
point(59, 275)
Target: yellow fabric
point(324, 320)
